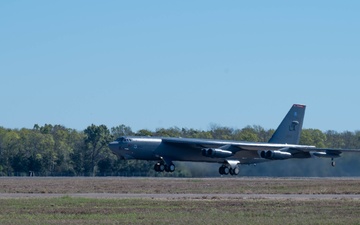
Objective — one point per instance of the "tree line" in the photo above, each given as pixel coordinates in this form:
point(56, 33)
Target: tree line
point(55, 150)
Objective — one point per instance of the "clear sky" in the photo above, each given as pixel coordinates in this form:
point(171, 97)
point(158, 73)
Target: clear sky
point(153, 64)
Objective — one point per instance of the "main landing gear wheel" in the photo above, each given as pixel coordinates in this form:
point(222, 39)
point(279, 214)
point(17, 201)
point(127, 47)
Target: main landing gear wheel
point(234, 171)
point(333, 163)
point(161, 167)
point(170, 168)
point(224, 170)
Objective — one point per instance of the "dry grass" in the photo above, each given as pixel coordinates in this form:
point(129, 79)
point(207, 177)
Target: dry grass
point(69, 210)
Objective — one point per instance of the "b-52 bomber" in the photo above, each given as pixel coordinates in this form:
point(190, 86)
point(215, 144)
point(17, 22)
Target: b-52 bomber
point(284, 144)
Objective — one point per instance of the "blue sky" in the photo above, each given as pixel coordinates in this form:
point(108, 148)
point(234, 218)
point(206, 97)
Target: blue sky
point(153, 64)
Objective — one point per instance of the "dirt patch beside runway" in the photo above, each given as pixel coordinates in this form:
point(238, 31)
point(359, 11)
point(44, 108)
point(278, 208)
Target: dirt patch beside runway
point(203, 197)
point(116, 185)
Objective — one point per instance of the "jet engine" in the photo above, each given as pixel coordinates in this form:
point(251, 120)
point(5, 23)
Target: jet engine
point(275, 155)
point(216, 153)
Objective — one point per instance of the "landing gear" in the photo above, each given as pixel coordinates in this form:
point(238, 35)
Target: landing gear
point(161, 167)
point(225, 170)
point(170, 168)
point(234, 171)
point(333, 162)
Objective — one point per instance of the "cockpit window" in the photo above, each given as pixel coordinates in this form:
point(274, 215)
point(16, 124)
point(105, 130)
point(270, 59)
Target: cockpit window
point(119, 139)
point(124, 140)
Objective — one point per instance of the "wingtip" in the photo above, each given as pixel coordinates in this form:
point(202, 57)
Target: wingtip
point(299, 105)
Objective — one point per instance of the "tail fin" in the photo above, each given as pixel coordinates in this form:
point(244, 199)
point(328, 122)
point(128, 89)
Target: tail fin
point(289, 129)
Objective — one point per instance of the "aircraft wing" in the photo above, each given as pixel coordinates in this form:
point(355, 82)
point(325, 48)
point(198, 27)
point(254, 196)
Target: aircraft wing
point(252, 149)
point(322, 152)
point(249, 146)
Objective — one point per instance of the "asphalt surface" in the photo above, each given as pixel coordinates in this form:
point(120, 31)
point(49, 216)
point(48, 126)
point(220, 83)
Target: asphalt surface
point(182, 195)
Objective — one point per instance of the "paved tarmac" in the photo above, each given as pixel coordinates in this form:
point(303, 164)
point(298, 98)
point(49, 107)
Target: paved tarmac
point(185, 196)
point(182, 196)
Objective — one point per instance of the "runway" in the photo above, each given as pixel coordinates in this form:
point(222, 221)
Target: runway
point(185, 196)
point(181, 188)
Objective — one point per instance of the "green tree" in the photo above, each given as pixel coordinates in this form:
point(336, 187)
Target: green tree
point(77, 155)
point(144, 133)
point(334, 139)
point(121, 130)
point(96, 142)
point(246, 134)
point(9, 145)
point(42, 155)
point(170, 132)
point(350, 140)
point(63, 148)
point(313, 137)
point(219, 132)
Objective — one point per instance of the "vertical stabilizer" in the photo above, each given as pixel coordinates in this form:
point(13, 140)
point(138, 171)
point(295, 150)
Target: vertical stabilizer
point(290, 128)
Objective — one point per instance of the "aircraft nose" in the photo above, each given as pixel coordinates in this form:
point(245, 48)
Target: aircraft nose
point(113, 144)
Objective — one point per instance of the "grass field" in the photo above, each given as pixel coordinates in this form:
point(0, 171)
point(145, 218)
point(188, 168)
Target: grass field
point(66, 210)
point(70, 210)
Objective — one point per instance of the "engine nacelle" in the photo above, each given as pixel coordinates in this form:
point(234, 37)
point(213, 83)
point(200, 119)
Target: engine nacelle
point(216, 153)
point(275, 155)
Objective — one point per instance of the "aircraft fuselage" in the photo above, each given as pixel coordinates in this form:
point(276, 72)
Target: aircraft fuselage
point(149, 148)
point(284, 144)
